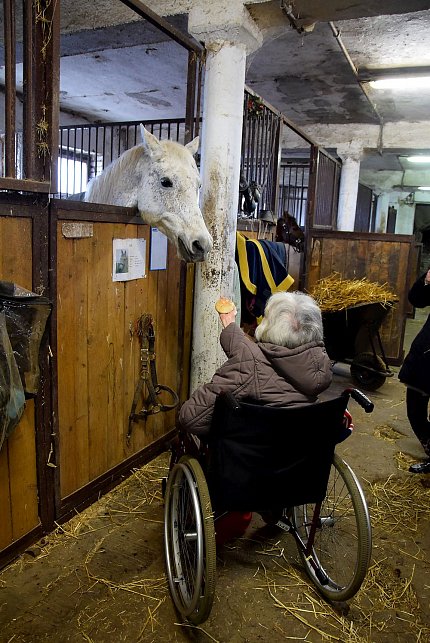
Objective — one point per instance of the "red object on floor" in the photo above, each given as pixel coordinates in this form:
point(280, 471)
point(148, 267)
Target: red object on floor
point(231, 525)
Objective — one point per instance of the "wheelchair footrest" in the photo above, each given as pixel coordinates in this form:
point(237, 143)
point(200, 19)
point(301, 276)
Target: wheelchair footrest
point(284, 524)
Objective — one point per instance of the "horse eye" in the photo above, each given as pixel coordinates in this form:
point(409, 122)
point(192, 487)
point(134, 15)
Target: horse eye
point(166, 182)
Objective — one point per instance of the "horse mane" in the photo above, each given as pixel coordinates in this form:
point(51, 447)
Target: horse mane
point(104, 187)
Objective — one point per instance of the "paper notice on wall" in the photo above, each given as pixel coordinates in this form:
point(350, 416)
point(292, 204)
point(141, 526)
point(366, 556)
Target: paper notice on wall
point(129, 259)
point(158, 250)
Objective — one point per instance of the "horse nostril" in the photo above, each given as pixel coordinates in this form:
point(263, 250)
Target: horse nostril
point(197, 247)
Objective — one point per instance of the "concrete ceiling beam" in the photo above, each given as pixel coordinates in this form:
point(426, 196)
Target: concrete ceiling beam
point(395, 135)
point(225, 21)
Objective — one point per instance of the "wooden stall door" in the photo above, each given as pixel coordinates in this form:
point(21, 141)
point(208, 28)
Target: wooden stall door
point(18, 478)
point(98, 350)
point(381, 258)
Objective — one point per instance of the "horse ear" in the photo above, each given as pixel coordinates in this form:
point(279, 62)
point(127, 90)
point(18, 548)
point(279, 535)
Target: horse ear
point(150, 142)
point(193, 145)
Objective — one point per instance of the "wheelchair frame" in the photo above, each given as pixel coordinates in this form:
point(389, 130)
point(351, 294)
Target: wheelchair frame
point(333, 536)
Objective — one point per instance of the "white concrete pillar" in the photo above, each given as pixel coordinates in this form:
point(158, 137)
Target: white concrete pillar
point(381, 215)
point(348, 189)
point(405, 205)
point(229, 34)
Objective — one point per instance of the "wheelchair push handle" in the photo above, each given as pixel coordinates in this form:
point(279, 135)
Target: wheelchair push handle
point(361, 399)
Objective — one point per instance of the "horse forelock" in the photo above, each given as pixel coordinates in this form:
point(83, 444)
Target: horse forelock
point(178, 154)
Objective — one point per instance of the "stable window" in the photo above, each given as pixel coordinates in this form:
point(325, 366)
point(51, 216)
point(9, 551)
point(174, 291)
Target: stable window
point(72, 172)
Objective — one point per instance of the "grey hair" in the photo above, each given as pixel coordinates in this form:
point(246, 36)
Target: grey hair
point(290, 319)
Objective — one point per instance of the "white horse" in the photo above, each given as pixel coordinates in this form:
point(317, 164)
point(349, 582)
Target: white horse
point(161, 180)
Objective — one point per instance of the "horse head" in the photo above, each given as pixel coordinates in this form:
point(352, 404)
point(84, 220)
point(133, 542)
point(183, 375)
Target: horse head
point(288, 231)
point(161, 180)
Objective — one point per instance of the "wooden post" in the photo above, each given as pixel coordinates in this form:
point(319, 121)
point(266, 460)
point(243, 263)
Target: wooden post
point(10, 85)
point(190, 113)
point(41, 90)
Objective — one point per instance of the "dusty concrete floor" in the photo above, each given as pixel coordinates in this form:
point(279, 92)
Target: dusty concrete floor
point(101, 577)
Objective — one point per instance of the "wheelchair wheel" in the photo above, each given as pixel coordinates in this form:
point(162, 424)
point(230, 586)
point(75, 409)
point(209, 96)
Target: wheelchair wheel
point(343, 543)
point(189, 541)
point(371, 380)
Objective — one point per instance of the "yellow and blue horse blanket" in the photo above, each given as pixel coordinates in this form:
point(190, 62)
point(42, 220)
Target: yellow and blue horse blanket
point(262, 271)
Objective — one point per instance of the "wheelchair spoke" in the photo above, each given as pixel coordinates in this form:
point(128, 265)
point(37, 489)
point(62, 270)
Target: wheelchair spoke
point(187, 538)
point(338, 557)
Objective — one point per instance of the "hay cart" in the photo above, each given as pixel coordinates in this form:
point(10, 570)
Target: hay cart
point(352, 336)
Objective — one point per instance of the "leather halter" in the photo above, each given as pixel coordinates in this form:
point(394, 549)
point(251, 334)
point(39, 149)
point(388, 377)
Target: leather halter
point(152, 404)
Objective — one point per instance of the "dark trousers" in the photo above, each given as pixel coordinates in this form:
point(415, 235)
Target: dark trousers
point(417, 410)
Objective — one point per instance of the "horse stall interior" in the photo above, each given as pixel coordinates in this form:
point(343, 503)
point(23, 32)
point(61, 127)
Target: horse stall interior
point(306, 184)
point(276, 160)
point(71, 444)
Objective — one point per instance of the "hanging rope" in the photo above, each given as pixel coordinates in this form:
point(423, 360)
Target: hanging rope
point(144, 329)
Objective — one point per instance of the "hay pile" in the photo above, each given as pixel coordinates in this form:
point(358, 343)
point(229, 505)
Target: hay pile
point(334, 293)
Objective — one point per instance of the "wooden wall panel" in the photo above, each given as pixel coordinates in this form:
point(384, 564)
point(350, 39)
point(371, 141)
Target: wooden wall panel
point(380, 258)
point(99, 353)
point(18, 479)
point(23, 482)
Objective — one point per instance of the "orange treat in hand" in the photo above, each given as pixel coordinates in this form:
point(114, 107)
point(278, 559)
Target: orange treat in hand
point(224, 305)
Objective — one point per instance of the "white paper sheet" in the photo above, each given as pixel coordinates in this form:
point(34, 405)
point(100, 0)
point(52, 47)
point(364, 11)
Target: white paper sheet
point(129, 259)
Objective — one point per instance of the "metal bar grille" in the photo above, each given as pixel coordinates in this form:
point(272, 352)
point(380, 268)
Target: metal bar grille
point(26, 155)
point(85, 150)
point(364, 209)
point(260, 142)
point(293, 191)
point(327, 192)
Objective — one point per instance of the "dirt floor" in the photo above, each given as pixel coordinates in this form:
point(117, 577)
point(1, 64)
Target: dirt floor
point(101, 576)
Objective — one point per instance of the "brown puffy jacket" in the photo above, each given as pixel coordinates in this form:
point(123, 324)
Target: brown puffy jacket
point(264, 372)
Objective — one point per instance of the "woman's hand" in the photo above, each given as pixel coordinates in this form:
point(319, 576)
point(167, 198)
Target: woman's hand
point(427, 278)
point(228, 318)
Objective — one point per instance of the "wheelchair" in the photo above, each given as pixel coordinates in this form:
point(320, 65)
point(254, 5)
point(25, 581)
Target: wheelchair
point(274, 461)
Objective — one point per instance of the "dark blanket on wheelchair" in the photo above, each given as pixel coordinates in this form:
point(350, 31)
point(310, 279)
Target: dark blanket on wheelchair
point(268, 458)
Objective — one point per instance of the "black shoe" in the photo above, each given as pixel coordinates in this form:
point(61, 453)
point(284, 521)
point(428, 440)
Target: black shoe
point(420, 467)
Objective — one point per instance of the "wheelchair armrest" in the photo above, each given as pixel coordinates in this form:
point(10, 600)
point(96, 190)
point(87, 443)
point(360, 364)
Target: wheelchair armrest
point(361, 399)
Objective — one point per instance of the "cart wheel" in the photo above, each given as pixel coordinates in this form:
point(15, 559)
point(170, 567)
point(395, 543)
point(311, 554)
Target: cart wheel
point(365, 378)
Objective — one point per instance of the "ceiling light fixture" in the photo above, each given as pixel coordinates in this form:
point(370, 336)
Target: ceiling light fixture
point(424, 188)
point(396, 77)
point(418, 159)
point(405, 82)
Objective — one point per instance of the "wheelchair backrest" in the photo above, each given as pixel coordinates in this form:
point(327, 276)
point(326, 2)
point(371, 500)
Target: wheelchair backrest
point(264, 457)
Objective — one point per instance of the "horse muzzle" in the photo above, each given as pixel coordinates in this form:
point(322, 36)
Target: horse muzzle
point(197, 251)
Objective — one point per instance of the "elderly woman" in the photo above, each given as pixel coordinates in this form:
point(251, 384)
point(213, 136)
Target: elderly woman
point(286, 366)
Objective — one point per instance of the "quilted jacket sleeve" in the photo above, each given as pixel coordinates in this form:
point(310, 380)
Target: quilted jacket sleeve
point(235, 375)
